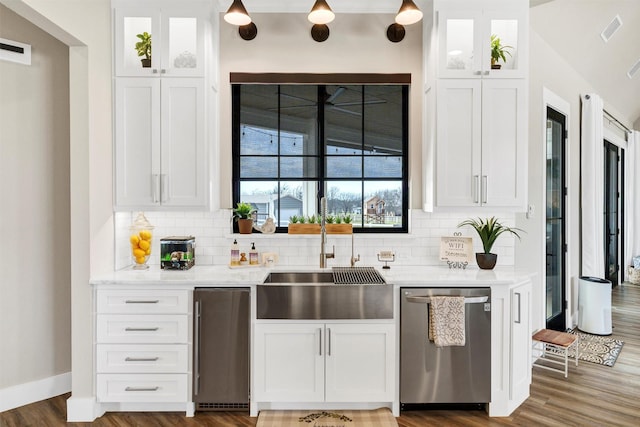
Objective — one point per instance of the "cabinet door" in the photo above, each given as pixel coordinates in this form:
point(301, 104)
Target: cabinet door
point(510, 23)
point(504, 147)
point(288, 363)
point(182, 41)
point(137, 142)
point(458, 147)
point(129, 22)
point(459, 46)
point(183, 179)
point(520, 351)
point(360, 362)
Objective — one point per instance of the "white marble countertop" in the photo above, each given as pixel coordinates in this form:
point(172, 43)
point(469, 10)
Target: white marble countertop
point(222, 275)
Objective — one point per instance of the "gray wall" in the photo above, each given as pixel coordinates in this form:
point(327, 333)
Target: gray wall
point(35, 289)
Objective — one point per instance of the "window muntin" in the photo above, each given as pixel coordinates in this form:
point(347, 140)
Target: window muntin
point(296, 143)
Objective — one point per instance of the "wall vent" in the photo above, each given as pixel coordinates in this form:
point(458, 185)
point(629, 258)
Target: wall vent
point(611, 28)
point(15, 52)
point(634, 69)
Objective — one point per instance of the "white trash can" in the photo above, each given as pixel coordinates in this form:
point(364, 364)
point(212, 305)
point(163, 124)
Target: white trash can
point(594, 305)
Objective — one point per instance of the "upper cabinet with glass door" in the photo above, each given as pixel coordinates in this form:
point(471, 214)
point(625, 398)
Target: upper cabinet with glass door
point(175, 33)
point(468, 33)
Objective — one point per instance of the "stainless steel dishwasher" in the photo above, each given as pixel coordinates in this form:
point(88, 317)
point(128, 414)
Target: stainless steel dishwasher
point(446, 375)
point(221, 349)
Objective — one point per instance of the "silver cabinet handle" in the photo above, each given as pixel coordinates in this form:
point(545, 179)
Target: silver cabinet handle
point(484, 188)
point(196, 351)
point(141, 329)
point(141, 359)
point(476, 183)
point(155, 71)
point(319, 341)
point(486, 73)
point(477, 73)
point(156, 388)
point(519, 308)
point(163, 71)
point(155, 187)
point(163, 187)
point(329, 341)
point(141, 301)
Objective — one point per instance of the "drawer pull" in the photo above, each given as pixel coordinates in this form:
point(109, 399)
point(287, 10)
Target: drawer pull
point(141, 329)
point(141, 301)
point(141, 359)
point(156, 388)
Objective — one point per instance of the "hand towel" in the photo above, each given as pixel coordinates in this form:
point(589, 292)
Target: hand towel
point(446, 321)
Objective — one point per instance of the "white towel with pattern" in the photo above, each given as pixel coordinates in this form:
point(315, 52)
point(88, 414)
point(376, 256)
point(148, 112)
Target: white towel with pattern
point(447, 321)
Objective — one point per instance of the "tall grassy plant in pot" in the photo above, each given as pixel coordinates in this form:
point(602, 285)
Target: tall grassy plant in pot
point(243, 214)
point(489, 230)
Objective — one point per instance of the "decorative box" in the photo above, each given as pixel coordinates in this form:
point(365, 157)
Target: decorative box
point(177, 252)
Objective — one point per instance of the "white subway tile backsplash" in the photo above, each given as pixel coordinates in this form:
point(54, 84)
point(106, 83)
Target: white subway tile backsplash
point(213, 239)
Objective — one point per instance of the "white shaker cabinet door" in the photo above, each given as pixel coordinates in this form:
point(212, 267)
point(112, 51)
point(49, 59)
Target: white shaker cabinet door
point(183, 176)
point(288, 363)
point(360, 362)
point(137, 141)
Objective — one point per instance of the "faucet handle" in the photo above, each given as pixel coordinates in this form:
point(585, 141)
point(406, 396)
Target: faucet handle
point(332, 254)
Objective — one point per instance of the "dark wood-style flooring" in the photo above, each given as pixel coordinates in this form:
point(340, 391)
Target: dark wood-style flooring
point(593, 395)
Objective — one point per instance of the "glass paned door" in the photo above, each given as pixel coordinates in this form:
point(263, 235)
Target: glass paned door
point(611, 213)
point(555, 221)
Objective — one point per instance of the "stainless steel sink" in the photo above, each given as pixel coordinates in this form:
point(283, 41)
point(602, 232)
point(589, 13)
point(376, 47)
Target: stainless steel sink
point(316, 296)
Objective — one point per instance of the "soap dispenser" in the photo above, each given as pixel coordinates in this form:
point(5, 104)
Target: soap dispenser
point(253, 255)
point(235, 253)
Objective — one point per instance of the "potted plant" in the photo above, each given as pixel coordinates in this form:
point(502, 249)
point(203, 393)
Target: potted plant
point(144, 48)
point(488, 229)
point(243, 214)
point(498, 51)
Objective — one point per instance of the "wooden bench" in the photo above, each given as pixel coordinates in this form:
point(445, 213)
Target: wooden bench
point(553, 347)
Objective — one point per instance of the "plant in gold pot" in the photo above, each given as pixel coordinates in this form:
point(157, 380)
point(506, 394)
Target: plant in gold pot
point(488, 229)
point(243, 214)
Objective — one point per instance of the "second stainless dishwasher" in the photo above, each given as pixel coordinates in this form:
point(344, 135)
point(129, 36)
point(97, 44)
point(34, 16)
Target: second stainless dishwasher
point(221, 349)
point(445, 375)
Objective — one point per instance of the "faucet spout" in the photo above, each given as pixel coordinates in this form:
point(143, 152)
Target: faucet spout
point(324, 255)
point(353, 259)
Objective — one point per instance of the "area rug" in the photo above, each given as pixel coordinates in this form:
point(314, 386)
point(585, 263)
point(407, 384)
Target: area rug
point(598, 349)
point(381, 417)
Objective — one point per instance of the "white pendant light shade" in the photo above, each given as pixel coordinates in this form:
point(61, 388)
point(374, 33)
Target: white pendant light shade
point(237, 14)
point(321, 13)
point(408, 13)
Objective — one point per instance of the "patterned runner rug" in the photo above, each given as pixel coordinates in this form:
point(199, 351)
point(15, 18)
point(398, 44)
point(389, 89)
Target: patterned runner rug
point(598, 349)
point(381, 417)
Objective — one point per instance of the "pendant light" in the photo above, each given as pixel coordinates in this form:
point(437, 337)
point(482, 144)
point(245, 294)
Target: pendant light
point(408, 13)
point(237, 14)
point(321, 13)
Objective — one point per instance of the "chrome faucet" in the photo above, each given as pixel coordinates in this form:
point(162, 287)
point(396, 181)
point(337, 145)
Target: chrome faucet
point(353, 259)
point(323, 235)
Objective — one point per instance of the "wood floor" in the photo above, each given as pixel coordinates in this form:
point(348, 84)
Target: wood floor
point(593, 395)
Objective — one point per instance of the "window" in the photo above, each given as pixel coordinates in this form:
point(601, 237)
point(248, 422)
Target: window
point(295, 143)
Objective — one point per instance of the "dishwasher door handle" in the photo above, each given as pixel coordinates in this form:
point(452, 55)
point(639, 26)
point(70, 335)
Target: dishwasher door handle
point(467, 300)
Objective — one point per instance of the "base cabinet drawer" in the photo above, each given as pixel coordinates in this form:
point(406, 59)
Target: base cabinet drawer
point(134, 358)
point(141, 388)
point(142, 301)
point(142, 329)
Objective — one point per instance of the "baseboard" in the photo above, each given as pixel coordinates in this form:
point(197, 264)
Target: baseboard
point(83, 409)
point(35, 391)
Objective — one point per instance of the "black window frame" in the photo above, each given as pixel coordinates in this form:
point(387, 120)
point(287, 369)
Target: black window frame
point(322, 155)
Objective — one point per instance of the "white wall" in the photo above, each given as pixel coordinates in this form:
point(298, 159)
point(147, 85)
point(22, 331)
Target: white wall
point(35, 279)
point(357, 44)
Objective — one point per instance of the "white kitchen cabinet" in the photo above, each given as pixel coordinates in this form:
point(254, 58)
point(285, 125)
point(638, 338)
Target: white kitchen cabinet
point(318, 362)
point(177, 37)
point(481, 143)
point(520, 340)
point(160, 143)
point(142, 347)
point(464, 37)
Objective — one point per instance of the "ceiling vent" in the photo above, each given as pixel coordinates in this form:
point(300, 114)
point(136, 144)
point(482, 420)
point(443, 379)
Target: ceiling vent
point(634, 69)
point(611, 28)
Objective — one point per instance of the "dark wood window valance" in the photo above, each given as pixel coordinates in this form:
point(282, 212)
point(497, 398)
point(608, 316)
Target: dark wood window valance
point(319, 78)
